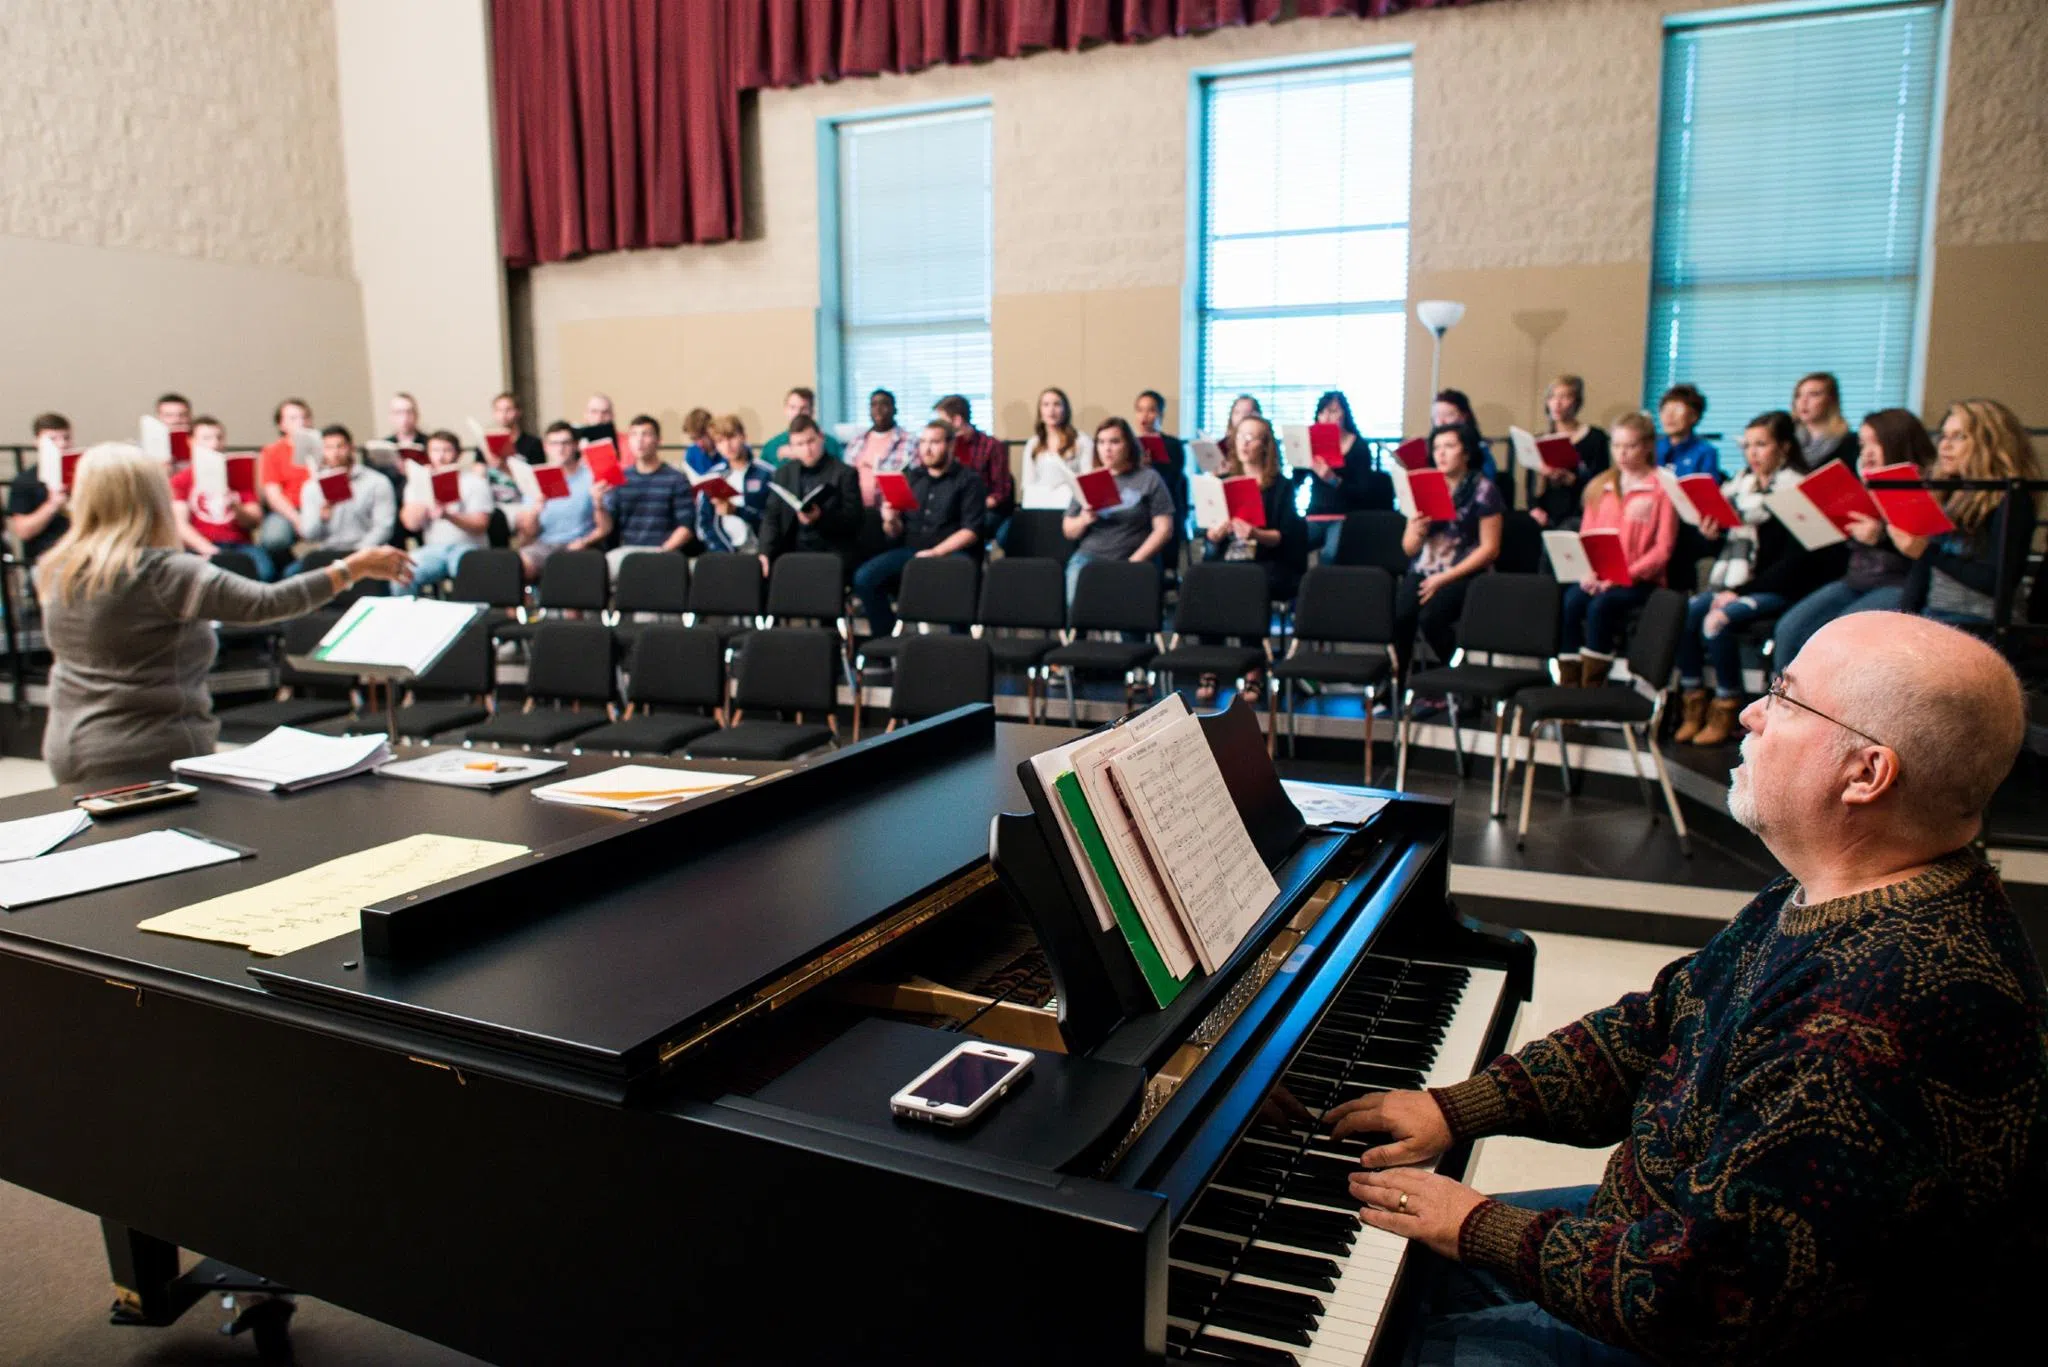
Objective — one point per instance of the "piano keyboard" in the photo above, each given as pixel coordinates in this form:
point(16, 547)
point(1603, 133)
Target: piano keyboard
point(1271, 1264)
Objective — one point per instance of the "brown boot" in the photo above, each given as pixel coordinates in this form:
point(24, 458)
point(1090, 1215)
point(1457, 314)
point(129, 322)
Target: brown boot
point(1593, 673)
point(1721, 722)
point(1568, 671)
point(1693, 717)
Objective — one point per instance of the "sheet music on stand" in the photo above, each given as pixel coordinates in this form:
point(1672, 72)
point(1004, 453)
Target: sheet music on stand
point(389, 641)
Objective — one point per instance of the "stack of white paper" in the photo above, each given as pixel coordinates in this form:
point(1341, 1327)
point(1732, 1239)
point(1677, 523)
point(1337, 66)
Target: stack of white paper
point(471, 768)
point(1330, 804)
point(287, 760)
point(107, 865)
point(34, 835)
point(637, 788)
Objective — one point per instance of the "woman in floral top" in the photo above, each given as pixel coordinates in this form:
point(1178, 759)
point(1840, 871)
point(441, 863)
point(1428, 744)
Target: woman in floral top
point(1445, 555)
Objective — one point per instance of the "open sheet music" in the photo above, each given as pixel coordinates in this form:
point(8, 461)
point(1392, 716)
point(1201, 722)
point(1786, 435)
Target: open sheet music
point(1141, 877)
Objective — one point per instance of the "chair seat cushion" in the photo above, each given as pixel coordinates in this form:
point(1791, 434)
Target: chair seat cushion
point(1201, 659)
point(1607, 703)
point(542, 726)
point(656, 733)
point(1331, 666)
point(1109, 656)
point(1478, 681)
point(427, 718)
point(1018, 652)
point(878, 649)
point(760, 740)
point(510, 630)
point(283, 712)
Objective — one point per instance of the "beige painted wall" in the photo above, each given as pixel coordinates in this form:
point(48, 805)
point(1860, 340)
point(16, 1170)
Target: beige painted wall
point(1534, 174)
point(414, 82)
point(172, 214)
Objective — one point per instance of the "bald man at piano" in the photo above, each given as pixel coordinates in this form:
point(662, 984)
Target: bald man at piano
point(1832, 1119)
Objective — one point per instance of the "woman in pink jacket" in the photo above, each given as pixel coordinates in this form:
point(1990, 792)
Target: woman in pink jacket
point(1626, 498)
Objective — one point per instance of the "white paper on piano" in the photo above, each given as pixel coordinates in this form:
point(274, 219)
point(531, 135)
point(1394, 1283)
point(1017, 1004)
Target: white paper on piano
point(1090, 762)
point(1048, 765)
point(395, 633)
point(108, 864)
point(1808, 524)
point(1211, 508)
point(29, 836)
point(1568, 558)
point(287, 760)
point(1330, 804)
point(1189, 821)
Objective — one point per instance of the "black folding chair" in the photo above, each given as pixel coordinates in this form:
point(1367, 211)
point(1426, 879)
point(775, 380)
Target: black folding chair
point(1339, 609)
point(656, 582)
point(1504, 614)
point(570, 582)
point(788, 670)
point(302, 698)
point(1373, 537)
point(571, 664)
point(1114, 600)
point(726, 589)
point(937, 591)
point(1521, 544)
point(1036, 533)
point(1652, 653)
point(1219, 624)
point(936, 674)
point(1022, 594)
point(670, 667)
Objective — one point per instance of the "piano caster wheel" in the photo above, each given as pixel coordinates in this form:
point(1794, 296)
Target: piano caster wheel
point(268, 1320)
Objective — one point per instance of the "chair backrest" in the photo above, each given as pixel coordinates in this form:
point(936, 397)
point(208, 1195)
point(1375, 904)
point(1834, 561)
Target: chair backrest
point(1221, 598)
point(489, 576)
point(1024, 591)
point(576, 581)
point(936, 674)
point(807, 584)
point(320, 558)
point(677, 666)
point(571, 661)
point(1116, 595)
point(468, 667)
point(1373, 491)
point(794, 669)
point(1351, 603)
point(1521, 544)
point(1511, 614)
point(939, 589)
point(236, 562)
point(1373, 537)
point(653, 581)
point(726, 584)
point(1653, 650)
point(1036, 532)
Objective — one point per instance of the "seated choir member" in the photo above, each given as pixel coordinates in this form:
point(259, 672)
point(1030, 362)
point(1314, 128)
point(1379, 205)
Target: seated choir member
point(129, 620)
point(1824, 434)
point(506, 413)
point(1833, 1146)
point(800, 402)
point(831, 522)
point(1759, 570)
point(887, 447)
point(1351, 487)
point(1682, 449)
point(1875, 580)
point(174, 411)
point(1141, 525)
point(1554, 496)
point(576, 522)
point(950, 519)
point(1443, 556)
point(35, 508)
point(365, 518)
point(655, 509)
point(1450, 408)
point(1627, 498)
point(446, 532)
point(1280, 547)
point(1148, 413)
point(1053, 451)
point(597, 409)
point(700, 447)
point(1955, 575)
point(281, 479)
point(725, 524)
point(985, 455)
point(210, 515)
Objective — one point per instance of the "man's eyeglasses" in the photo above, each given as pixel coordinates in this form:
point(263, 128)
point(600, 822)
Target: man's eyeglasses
point(1778, 694)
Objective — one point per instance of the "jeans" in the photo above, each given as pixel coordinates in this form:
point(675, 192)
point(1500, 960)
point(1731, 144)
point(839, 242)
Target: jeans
point(276, 536)
point(1469, 1319)
point(1592, 621)
point(433, 565)
point(1723, 651)
point(877, 578)
point(1822, 606)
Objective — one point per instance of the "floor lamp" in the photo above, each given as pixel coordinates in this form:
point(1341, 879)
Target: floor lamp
point(1439, 316)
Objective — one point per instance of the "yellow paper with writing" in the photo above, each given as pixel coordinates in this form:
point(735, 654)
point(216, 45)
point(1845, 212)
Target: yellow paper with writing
point(324, 901)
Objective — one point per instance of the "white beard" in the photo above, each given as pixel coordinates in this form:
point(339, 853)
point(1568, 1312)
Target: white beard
point(1742, 795)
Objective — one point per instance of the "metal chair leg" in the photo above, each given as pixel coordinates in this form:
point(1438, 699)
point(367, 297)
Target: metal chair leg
point(1457, 736)
point(1401, 724)
point(1670, 797)
point(1073, 707)
point(1371, 696)
point(1496, 797)
point(1528, 778)
point(1293, 724)
point(1635, 765)
point(1564, 764)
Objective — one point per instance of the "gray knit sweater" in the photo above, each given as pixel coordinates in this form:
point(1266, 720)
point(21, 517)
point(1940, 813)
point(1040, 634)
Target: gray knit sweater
point(128, 682)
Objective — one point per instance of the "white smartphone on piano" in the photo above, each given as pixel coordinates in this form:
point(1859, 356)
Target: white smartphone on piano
point(963, 1084)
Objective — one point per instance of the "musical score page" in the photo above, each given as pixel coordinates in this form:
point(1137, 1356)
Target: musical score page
point(1090, 761)
point(1185, 814)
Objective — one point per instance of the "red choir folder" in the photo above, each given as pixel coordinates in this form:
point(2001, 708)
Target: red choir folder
point(67, 469)
point(1099, 492)
point(498, 443)
point(242, 477)
point(447, 486)
point(181, 448)
point(412, 452)
point(1836, 493)
point(1604, 553)
point(1911, 509)
point(1557, 453)
point(1243, 497)
point(1413, 454)
point(1704, 493)
point(895, 488)
point(603, 459)
point(1155, 447)
point(714, 486)
point(335, 488)
point(1326, 441)
point(551, 482)
point(1425, 493)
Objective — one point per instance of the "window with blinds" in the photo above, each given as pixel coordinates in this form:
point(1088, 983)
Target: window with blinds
point(1793, 174)
point(1304, 241)
point(913, 258)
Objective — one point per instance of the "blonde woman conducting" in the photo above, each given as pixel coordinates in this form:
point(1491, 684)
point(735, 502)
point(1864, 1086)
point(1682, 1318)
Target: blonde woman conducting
point(129, 620)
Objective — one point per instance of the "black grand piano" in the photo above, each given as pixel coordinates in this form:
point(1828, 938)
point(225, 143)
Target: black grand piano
point(626, 1099)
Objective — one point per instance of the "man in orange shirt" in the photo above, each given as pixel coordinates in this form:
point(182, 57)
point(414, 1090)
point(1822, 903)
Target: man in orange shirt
point(280, 476)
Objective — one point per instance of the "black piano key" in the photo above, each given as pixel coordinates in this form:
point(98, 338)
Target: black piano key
point(1227, 1213)
point(1320, 1231)
point(1394, 1079)
point(1246, 1322)
point(1296, 1269)
point(1204, 1250)
point(1397, 1054)
point(1243, 1295)
point(1231, 1350)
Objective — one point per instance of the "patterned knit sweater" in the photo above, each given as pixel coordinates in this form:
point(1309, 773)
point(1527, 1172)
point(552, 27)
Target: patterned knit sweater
point(1833, 1130)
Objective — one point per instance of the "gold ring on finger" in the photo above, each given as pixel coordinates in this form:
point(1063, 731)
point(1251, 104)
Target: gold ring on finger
point(1403, 1206)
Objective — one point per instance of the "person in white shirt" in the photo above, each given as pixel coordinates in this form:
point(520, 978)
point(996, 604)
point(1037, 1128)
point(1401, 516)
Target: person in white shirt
point(447, 532)
point(1053, 451)
point(364, 519)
